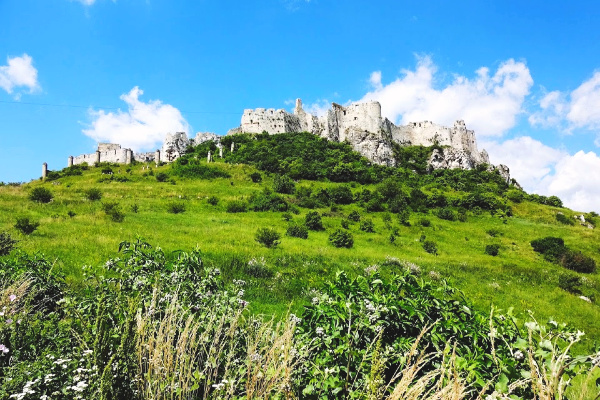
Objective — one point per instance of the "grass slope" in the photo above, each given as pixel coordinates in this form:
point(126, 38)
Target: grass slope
point(283, 277)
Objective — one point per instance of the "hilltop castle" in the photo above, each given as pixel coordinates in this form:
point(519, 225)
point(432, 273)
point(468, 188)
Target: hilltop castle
point(361, 125)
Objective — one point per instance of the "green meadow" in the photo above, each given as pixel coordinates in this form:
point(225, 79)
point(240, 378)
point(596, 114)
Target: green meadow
point(75, 232)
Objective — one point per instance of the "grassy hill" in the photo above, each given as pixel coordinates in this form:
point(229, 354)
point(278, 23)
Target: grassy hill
point(187, 205)
point(517, 277)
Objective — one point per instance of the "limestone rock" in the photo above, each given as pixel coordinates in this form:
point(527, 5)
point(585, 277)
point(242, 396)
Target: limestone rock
point(449, 158)
point(202, 137)
point(174, 146)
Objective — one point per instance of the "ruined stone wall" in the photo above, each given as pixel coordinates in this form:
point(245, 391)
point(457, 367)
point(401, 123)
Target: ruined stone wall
point(269, 120)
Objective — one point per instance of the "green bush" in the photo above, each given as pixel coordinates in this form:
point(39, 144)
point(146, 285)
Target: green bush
point(554, 201)
point(354, 216)
point(256, 177)
point(345, 224)
point(113, 210)
point(296, 230)
point(267, 201)
point(236, 206)
point(287, 216)
point(162, 177)
point(493, 232)
point(577, 261)
point(447, 214)
point(367, 225)
point(424, 222)
point(570, 282)
point(25, 226)
point(552, 248)
point(213, 200)
point(341, 238)
point(176, 207)
point(430, 246)
point(7, 243)
point(93, 194)
point(268, 237)
point(283, 184)
point(563, 219)
point(71, 213)
point(341, 194)
point(492, 249)
point(41, 195)
point(515, 195)
point(313, 221)
point(189, 167)
point(135, 208)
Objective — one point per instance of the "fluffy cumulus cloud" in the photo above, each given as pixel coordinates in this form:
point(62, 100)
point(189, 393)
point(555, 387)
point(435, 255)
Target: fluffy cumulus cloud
point(567, 111)
point(544, 170)
point(142, 127)
point(489, 103)
point(19, 73)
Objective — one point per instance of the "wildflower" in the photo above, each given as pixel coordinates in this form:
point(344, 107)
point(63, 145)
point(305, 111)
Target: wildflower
point(320, 331)
point(9, 321)
point(295, 319)
point(240, 293)
point(315, 300)
point(519, 355)
point(243, 303)
point(255, 357)
point(4, 349)
point(12, 297)
point(585, 299)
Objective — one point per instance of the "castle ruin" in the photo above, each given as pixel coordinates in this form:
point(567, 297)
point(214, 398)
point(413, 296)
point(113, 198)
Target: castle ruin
point(361, 125)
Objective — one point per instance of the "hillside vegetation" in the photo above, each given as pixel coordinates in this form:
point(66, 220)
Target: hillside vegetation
point(307, 225)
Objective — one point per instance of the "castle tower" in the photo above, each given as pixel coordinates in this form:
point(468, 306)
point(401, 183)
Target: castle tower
point(44, 171)
point(70, 162)
point(98, 156)
point(128, 156)
point(157, 157)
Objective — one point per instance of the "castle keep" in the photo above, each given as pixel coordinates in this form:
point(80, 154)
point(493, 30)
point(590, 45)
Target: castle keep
point(361, 125)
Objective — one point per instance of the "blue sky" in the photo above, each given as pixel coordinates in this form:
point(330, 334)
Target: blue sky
point(524, 75)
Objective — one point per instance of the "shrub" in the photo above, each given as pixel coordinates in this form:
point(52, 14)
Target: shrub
point(296, 230)
point(577, 261)
point(236, 206)
point(341, 195)
point(345, 224)
point(93, 194)
point(367, 226)
point(313, 221)
point(447, 214)
point(341, 238)
point(213, 200)
point(569, 282)
point(515, 195)
point(283, 184)
point(354, 216)
point(286, 216)
point(176, 207)
point(268, 237)
point(7, 243)
point(256, 177)
point(71, 213)
point(25, 226)
point(424, 222)
point(492, 249)
point(430, 246)
point(551, 247)
point(113, 210)
point(41, 195)
point(161, 177)
point(554, 201)
point(563, 219)
point(493, 232)
point(135, 208)
point(267, 201)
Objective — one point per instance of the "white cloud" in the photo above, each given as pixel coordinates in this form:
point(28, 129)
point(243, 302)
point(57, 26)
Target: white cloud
point(579, 109)
point(86, 2)
point(318, 108)
point(19, 72)
point(142, 127)
point(544, 170)
point(488, 104)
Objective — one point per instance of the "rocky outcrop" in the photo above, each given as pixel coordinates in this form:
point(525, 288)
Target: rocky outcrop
point(174, 146)
point(362, 126)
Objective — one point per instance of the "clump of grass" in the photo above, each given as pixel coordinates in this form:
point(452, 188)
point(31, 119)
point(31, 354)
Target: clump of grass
point(93, 194)
point(25, 226)
point(7, 243)
point(268, 237)
point(176, 207)
point(113, 210)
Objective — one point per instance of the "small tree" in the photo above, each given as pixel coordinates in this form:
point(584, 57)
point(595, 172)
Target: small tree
point(430, 246)
point(492, 249)
point(367, 226)
point(299, 231)
point(41, 195)
point(313, 221)
point(284, 184)
point(93, 194)
point(341, 238)
point(256, 177)
point(176, 207)
point(268, 237)
point(25, 226)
